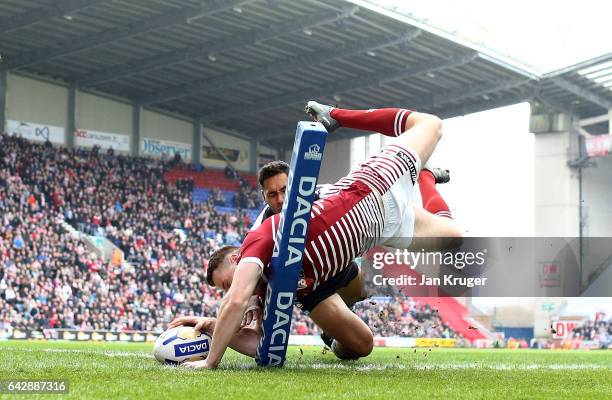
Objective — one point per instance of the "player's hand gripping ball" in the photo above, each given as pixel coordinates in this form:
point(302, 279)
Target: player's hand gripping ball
point(182, 343)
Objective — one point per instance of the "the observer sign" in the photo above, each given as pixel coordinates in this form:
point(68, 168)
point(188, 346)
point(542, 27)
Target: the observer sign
point(158, 148)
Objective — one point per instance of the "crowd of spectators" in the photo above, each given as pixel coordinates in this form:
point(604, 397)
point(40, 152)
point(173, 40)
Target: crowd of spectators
point(402, 317)
point(591, 333)
point(598, 329)
point(217, 198)
point(50, 278)
point(247, 197)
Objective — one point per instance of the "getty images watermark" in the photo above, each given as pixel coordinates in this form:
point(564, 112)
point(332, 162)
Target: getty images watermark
point(494, 267)
point(454, 260)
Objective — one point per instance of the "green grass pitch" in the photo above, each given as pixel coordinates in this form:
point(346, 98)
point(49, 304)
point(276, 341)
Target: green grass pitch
point(115, 370)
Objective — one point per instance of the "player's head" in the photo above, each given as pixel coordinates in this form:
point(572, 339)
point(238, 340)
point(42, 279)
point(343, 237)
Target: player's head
point(272, 179)
point(221, 266)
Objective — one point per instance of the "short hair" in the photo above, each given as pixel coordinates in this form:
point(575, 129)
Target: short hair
point(271, 169)
point(215, 260)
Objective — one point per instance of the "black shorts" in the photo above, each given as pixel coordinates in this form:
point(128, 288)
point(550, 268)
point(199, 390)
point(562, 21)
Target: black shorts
point(329, 287)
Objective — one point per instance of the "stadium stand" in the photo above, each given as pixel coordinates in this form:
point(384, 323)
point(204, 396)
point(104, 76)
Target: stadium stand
point(49, 278)
point(456, 315)
point(403, 317)
point(592, 330)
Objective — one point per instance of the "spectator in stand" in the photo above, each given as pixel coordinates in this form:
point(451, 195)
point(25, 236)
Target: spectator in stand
point(177, 160)
point(229, 172)
point(217, 198)
point(402, 317)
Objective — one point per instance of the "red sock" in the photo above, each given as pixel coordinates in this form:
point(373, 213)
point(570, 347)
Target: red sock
point(388, 121)
point(432, 200)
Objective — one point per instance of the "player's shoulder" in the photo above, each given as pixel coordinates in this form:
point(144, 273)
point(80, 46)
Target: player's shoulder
point(266, 227)
point(265, 213)
point(258, 242)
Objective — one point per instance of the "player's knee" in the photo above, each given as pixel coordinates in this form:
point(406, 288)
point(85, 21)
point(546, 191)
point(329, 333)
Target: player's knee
point(456, 236)
point(366, 344)
point(436, 124)
point(433, 123)
point(368, 347)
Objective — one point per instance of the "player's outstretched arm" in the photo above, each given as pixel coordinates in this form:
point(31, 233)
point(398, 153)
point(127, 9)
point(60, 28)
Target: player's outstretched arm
point(244, 341)
point(231, 313)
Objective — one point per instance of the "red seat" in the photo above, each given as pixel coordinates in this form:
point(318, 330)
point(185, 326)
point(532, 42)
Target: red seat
point(210, 178)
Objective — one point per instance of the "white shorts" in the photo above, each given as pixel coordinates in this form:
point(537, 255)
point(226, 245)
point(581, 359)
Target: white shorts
point(399, 216)
point(399, 213)
point(390, 172)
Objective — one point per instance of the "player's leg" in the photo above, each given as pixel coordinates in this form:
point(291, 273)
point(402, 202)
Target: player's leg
point(418, 131)
point(394, 170)
point(432, 199)
point(430, 232)
point(350, 294)
point(353, 338)
point(355, 291)
point(434, 228)
point(348, 284)
point(408, 226)
point(388, 121)
point(434, 233)
point(422, 134)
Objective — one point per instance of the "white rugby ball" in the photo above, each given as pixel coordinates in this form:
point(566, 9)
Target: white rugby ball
point(180, 344)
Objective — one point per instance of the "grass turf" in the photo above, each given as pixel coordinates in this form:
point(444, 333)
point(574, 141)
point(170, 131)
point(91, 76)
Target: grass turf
point(125, 370)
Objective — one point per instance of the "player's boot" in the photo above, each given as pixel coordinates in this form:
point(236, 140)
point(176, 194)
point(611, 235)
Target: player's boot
point(327, 339)
point(440, 175)
point(321, 113)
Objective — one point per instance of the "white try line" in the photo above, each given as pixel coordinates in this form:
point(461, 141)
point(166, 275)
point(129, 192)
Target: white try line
point(448, 366)
point(357, 366)
point(107, 353)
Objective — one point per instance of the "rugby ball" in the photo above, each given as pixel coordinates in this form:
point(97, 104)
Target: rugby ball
point(180, 344)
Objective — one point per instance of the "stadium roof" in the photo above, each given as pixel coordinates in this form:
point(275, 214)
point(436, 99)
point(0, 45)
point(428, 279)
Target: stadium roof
point(584, 89)
point(246, 67)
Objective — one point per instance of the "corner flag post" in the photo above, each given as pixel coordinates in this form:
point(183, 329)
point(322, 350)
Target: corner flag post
point(289, 243)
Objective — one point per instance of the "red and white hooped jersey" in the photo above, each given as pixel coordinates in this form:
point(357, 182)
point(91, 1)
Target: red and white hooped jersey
point(345, 223)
